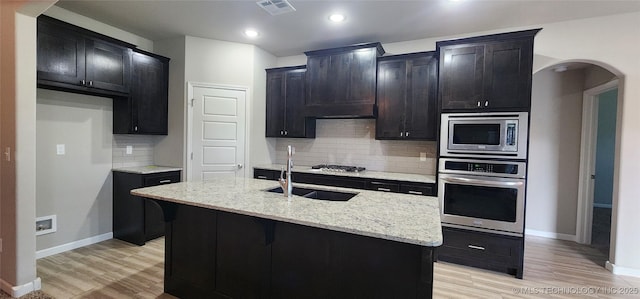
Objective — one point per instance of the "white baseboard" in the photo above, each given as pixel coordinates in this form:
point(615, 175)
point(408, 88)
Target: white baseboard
point(551, 235)
point(73, 245)
point(21, 290)
point(617, 270)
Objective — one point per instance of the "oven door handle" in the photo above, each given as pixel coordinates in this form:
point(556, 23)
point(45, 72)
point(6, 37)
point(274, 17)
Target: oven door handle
point(483, 182)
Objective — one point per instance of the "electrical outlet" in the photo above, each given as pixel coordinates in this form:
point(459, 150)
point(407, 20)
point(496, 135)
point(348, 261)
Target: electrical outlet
point(129, 149)
point(423, 157)
point(60, 149)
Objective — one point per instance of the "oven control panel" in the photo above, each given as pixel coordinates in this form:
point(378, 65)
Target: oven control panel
point(493, 168)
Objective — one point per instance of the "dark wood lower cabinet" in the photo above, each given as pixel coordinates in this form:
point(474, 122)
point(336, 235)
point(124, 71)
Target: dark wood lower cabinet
point(483, 250)
point(136, 219)
point(190, 253)
point(243, 245)
point(214, 254)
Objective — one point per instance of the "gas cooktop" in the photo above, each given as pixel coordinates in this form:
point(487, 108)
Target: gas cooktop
point(338, 168)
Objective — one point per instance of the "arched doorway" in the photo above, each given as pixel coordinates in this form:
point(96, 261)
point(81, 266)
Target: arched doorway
point(558, 195)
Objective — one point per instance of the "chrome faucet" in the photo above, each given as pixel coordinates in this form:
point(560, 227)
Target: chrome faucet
point(287, 184)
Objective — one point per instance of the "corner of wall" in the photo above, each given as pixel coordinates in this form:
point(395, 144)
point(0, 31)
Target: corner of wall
point(169, 149)
point(262, 149)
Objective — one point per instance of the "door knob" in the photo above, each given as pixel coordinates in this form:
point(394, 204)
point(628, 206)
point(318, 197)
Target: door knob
point(239, 166)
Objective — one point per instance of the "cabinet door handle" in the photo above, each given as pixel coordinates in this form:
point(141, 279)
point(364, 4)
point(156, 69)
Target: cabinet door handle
point(90, 82)
point(384, 189)
point(407, 134)
point(415, 192)
point(135, 128)
point(286, 133)
point(262, 177)
point(83, 82)
point(486, 103)
point(281, 132)
point(165, 181)
point(478, 103)
point(476, 247)
point(401, 134)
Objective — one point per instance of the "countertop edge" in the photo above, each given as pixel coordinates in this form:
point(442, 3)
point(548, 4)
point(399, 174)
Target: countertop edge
point(148, 169)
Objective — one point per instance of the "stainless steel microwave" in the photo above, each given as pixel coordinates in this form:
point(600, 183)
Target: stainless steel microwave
point(484, 135)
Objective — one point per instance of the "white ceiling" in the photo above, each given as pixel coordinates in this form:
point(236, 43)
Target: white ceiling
point(309, 29)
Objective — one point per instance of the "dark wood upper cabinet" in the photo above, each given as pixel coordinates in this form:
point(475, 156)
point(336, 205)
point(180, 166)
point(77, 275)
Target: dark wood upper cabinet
point(74, 59)
point(146, 109)
point(341, 82)
point(491, 73)
point(407, 97)
point(285, 104)
point(71, 58)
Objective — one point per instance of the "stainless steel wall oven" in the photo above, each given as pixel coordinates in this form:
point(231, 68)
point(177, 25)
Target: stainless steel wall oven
point(484, 195)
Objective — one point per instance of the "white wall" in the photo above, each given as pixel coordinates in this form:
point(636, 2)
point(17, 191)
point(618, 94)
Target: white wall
point(554, 152)
point(262, 150)
point(76, 186)
point(221, 63)
point(169, 150)
point(25, 148)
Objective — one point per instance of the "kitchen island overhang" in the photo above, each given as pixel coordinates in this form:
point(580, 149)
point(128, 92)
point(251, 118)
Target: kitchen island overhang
point(229, 237)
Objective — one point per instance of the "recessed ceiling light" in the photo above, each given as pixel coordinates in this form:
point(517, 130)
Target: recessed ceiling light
point(251, 33)
point(337, 18)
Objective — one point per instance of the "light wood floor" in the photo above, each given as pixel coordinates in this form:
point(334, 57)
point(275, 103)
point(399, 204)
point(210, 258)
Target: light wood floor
point(553, 269)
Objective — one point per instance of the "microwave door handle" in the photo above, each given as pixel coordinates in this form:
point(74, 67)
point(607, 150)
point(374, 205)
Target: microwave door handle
point(483, 182)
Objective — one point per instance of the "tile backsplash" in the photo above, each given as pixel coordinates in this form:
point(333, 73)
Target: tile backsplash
point(142, 153)
point(352, 142)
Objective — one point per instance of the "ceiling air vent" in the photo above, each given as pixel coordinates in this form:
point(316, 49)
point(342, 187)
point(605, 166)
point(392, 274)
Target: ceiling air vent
point(276, 7)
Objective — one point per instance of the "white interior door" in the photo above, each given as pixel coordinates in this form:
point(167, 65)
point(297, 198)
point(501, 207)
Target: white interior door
point(218, 133)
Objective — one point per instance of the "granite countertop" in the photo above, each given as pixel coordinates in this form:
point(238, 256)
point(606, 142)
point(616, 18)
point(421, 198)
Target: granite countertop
point(392, 216)
point(147, 169)
point(396, 176)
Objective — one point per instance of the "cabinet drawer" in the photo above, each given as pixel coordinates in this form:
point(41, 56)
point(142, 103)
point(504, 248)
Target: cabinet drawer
point(328, 180)
point(162, 178)
point(383, 186)
point(484, 250)
point(477, 242)
point(265, 174)
point(418, 189)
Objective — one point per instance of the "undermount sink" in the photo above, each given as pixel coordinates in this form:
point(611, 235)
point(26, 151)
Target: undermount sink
point(317, 194)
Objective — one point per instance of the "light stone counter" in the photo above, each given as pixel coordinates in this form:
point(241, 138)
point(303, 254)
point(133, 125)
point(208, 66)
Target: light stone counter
point(399, 217)
point(147, 169)
point(396, 176)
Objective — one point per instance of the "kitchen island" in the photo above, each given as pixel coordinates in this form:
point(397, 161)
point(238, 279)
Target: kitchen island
point(229, 238)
